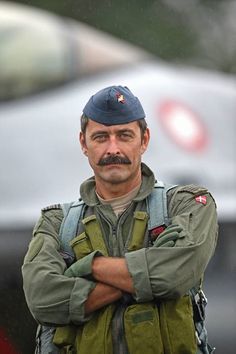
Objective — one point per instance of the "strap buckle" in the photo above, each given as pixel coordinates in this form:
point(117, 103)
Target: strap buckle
point(200, 302)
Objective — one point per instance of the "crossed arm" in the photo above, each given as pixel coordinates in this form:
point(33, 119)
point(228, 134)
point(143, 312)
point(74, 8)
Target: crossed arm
point(113, 277)
point(179, 256)
point(162, 271)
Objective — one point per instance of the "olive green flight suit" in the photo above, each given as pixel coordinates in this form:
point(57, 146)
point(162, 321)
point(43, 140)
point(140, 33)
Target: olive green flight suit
point(158, 273)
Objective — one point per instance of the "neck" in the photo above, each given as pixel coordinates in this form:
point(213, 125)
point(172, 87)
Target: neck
point(109, 190)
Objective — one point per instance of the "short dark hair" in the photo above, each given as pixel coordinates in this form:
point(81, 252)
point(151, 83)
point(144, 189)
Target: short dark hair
point(84, 122)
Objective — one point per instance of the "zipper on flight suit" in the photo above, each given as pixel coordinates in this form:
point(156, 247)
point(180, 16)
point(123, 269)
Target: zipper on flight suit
point(118, 333)
point(118, 330)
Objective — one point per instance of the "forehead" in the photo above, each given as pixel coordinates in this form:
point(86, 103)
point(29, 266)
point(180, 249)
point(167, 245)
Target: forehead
point(110, 129)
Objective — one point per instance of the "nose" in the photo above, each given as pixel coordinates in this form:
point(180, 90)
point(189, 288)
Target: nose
point(113, 146)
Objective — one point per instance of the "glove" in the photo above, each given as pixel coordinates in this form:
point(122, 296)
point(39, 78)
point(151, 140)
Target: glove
point(83, 267)
point(168, 237)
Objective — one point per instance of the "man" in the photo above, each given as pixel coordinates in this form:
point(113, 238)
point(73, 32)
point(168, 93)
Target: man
point(127, 286)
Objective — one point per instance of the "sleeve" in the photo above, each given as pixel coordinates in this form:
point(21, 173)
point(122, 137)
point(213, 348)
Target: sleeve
point(52, 297)
point(169, 272)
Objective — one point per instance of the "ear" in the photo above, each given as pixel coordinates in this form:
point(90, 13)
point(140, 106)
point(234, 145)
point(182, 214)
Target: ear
point(83, 143)
point(145, 141)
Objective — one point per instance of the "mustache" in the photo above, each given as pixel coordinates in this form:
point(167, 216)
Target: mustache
point(114, 160)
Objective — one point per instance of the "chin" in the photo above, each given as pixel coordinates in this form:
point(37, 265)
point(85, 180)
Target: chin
point(115, 177)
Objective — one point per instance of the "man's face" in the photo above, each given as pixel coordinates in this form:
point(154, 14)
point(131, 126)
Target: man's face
point(114, 152)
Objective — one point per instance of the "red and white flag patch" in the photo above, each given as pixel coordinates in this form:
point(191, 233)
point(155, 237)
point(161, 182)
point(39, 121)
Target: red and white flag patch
point(201, 199)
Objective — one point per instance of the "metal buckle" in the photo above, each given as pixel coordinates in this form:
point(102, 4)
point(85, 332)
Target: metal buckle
point(200, 302)
point(199, 342)
point(203, 297)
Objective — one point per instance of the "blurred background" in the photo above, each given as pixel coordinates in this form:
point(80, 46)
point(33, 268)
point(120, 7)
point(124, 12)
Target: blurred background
point(179, 58)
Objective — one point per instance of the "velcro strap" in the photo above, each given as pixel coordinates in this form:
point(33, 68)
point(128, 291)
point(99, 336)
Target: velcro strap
point(93, 231)
point(139, 227)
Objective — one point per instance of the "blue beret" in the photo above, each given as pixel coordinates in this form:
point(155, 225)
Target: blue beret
point(114, 105)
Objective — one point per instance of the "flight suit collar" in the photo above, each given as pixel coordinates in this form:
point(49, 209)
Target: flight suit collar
point(87, 189)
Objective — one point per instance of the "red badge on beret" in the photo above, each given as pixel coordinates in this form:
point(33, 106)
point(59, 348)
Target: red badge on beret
point(120, 98)
point(201, 199)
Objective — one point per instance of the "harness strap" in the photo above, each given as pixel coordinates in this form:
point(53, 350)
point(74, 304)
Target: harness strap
point(72, 215)
point(199, 302)
point(157, 205)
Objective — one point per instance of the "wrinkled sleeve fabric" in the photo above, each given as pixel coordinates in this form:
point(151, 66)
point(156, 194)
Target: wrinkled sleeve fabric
point(169, 272)
point(52, 297)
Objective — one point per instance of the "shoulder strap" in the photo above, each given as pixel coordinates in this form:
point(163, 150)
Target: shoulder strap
point(157, 205)
point(72, 215)
point(158, 212)
point(72, 212)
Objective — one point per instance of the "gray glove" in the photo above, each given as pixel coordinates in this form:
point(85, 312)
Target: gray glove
point(83, 267)
point(168, 237)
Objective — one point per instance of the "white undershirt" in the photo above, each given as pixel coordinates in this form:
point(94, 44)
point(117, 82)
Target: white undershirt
point(119, 204)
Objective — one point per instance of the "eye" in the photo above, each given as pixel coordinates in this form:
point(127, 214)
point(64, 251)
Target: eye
point(125, 136)
point(100, 137)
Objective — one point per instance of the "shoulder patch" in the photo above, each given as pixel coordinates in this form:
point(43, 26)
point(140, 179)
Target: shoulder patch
point(52, 207)
point(193, 189)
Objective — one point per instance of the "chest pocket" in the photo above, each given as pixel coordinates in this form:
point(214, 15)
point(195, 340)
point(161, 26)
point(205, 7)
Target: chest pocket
point(138, 231)
point(89, 240)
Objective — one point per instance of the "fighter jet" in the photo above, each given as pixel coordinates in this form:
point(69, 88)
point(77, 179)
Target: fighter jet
point(49, 68)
